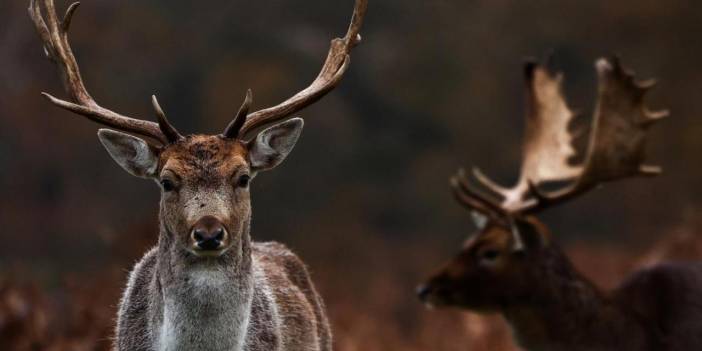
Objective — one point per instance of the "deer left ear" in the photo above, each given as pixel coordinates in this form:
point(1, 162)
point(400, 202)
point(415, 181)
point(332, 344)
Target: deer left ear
point(135, 155)
point(272, 145)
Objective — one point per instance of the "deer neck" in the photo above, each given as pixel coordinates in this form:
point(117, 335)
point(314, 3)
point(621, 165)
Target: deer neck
point(205, 303)
point(565, 311)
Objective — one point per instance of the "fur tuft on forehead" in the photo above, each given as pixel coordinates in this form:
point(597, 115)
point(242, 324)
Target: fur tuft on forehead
point(204, 158)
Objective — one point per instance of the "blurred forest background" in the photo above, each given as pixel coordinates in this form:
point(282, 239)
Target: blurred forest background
point(363, 199)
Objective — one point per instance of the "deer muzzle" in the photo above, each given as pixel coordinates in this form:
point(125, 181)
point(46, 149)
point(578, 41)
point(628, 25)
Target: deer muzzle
point(209, 236)
point(433, 293)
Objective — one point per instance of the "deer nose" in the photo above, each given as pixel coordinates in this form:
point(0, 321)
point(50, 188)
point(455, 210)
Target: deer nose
point(423, 292)
point(208, 233)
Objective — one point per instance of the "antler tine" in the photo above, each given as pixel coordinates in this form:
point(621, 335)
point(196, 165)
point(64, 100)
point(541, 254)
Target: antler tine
point(66, 23)
point(471, 199)
point(54, 37)
point(166, 127)
point(232, 130)
point(465, 186)
point(616, 148)
point(330, 75)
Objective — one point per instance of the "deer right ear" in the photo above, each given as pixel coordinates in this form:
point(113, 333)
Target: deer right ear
point(532, 233)
point(130, 152)
point(272, 145)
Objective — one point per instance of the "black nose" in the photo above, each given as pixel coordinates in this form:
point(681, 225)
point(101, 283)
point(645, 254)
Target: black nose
point(208, 233)
point(423, 292)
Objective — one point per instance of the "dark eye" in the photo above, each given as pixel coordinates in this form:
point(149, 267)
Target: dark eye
point(489, 255)
point(243, 181)
point(167, 185)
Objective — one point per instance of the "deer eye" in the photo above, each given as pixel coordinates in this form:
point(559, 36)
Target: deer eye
point(489, 255)
point(243, 181)
point(167, 185)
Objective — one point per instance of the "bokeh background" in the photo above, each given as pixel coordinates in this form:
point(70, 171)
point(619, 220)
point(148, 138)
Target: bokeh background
point(364, 199)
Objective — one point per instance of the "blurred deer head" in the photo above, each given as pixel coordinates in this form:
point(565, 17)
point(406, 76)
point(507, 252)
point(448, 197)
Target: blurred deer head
point(504, 261)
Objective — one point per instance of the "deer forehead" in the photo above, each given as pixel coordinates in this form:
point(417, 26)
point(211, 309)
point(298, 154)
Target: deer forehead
point(496, 236)
point(204, 158)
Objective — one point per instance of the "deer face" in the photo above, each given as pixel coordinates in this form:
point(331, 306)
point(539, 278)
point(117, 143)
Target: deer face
point(204, 180)
point(494, 267)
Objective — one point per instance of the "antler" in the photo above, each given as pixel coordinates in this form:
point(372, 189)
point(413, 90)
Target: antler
point(616, 147)
point(55, 39)
point(332, 71)
point(473, 199)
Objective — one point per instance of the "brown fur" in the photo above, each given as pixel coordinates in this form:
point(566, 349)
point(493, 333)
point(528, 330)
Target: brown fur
point(203, 158)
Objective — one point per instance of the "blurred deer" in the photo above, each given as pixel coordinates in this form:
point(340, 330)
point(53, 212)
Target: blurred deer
point(206, 285)
point(512, 265)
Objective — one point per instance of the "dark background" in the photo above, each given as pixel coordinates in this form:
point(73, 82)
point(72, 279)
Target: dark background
point(434, 86)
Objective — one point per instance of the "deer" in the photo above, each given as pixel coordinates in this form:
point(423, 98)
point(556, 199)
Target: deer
point(206, 285)
point(512, 266)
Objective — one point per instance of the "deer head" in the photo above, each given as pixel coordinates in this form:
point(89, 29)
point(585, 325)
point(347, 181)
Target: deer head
point(205, 204)
point(512, 250)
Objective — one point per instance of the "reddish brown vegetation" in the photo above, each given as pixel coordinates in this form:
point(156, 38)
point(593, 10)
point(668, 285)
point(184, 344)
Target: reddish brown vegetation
point(76, 317)
point(383, 315)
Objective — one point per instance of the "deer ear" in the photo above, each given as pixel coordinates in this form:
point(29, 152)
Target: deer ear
point(130, 152)
point(272, 145)
point(479, 220)
point(531, 233)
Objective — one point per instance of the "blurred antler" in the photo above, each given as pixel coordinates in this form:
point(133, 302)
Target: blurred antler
point(330, 75)
point(547, 142)
point(55, 39)
point(473, 199)
point(616, 148)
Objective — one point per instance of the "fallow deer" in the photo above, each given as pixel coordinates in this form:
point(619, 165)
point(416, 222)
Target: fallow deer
point(512, 266)
point(206, 285)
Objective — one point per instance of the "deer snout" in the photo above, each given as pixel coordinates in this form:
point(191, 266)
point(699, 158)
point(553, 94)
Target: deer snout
point(208, 234)
point(427, 295)
point(423, 292)
point(432, 294)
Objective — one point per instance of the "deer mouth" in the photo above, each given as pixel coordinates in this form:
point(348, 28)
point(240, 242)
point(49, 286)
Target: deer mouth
point(208, 253)
point(431, 296)
point(213, 247)
point(209, 249)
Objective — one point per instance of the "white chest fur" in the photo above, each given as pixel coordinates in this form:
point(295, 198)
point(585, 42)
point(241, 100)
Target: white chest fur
point(207, 311)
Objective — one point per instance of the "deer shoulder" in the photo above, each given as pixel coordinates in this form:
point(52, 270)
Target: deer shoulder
point(297, 299)
point(667, 296)
point(132, 318)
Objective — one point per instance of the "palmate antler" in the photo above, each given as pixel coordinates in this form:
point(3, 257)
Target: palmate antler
point(54, 35)
point(616, 147)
